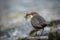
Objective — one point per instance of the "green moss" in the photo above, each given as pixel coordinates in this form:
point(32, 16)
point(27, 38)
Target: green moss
point(54, 23)
point(18, 39)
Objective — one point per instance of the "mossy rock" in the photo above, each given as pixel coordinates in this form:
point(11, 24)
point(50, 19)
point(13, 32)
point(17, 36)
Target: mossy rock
point(22, 39)
point(54, 22)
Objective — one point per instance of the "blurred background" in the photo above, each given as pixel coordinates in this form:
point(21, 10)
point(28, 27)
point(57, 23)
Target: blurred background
point(12, 14)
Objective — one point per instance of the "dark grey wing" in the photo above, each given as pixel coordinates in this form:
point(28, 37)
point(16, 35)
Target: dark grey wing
point(41, 20)
point(38, 21)
point(35, 22)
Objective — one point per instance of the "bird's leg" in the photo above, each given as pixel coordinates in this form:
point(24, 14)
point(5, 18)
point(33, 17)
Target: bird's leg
point(42, 32)
point(36, 33)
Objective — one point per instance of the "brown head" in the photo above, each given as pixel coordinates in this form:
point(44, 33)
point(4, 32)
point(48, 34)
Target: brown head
point(32, 14)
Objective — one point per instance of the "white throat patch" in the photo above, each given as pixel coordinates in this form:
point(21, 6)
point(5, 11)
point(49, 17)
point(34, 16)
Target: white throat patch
point(29, 19)
point(31, 16)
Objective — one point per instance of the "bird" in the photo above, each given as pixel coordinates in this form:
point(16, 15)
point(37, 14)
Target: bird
point(37, 21)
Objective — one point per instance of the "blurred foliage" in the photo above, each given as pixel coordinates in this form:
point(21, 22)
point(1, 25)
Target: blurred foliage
point(53, 34)
point(54, 22)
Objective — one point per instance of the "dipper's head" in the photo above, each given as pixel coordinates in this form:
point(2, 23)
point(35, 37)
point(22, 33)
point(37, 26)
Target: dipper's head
point(32, 14)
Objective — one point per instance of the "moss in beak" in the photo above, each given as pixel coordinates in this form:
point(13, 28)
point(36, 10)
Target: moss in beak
point(27, 16)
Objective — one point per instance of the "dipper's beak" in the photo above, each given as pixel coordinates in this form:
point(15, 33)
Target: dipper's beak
point(27, 15)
